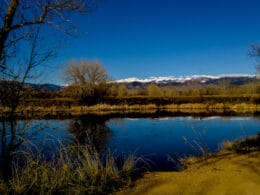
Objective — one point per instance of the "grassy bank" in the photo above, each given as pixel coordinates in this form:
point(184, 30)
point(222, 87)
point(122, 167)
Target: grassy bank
point(81, 170)
point(233, 170)
point(125, 108)
point(74, 170)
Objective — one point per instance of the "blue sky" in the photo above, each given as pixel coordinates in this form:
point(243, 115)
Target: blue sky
point(143, 38)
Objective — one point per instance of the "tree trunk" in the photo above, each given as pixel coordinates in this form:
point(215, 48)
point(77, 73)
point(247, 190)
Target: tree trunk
point(6, 26)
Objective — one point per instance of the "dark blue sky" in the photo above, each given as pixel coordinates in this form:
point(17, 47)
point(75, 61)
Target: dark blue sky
point(142, 38)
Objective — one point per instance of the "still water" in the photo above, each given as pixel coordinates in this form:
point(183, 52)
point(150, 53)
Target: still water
point(160, 141)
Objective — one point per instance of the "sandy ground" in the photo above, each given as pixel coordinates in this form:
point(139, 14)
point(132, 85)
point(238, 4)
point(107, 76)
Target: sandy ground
point(225, 173)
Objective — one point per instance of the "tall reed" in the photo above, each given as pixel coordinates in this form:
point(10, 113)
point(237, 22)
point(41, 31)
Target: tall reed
point(73, 170)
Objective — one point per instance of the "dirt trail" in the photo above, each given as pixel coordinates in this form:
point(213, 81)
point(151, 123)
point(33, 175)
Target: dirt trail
point(226, 173)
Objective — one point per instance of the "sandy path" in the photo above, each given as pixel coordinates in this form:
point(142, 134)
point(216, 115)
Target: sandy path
point(227, 173)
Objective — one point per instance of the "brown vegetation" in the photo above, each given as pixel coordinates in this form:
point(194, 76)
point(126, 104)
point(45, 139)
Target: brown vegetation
point(119, 99)
point(73, 170)
point(88, 81)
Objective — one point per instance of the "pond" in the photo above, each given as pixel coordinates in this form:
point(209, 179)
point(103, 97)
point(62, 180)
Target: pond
point(161, 141)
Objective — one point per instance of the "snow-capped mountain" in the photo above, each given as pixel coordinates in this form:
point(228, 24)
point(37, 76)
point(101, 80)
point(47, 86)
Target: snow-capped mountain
point(233, 79)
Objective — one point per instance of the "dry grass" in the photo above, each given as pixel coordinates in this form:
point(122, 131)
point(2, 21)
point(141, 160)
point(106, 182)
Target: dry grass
point(215, 107)
point(73, 170)
point(247, 145)
point(245, 107)
point(102, 109)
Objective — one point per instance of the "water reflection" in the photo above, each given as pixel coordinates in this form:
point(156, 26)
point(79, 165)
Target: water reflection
point(155, 139)
point(91, 130)
point(12, 137)
point(177, 137)
point(31, 137)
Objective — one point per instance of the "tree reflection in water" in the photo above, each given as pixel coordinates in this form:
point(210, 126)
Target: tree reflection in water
point(23, 136)
point(92, 130)
point(12, 137)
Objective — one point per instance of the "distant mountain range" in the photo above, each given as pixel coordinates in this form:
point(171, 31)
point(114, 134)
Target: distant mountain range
point(235, 79)
point(46, 87)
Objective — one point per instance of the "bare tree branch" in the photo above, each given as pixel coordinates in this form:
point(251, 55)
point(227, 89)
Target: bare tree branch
point(88, 79)
point(22, 49)
point(21, 14)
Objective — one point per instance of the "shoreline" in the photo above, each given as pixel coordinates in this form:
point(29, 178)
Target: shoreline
point(232, 170)
point(107, 109)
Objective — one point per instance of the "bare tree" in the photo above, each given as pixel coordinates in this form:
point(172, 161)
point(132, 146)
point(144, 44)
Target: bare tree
point(257, 67)
point(89, 80)
point(24, 45)
point(255, 52)
point(12, 82)
point(19, 17)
